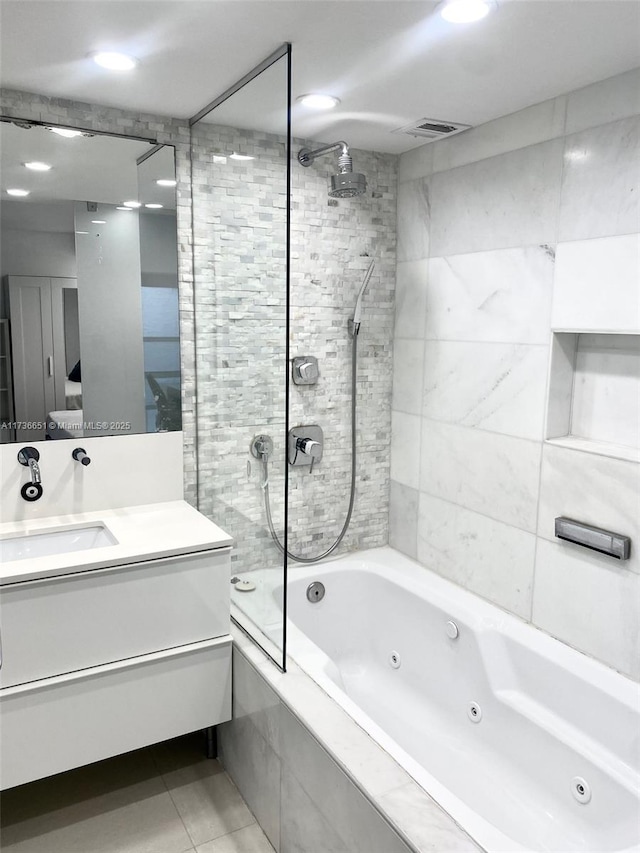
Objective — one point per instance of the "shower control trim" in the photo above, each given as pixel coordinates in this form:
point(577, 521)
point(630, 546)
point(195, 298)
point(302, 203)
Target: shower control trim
point(305, 445)
point(305, 370)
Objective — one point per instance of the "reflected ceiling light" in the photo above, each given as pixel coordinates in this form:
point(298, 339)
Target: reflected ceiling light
point(166, 182)
point(37, 166)
point(66, 132)
point(154, 206)
point(18, 193)
point(115, 61)
point(466, 11)
point(132, 203)
point(219, 158)
point(125, 208)
point(98, 221)
point(236, 156)
point(82, 232)
point(316, 101)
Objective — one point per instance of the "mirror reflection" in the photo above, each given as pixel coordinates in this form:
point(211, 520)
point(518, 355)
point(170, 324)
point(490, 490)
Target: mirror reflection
point(89, 340)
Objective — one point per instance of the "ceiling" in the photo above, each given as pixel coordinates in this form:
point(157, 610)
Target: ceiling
point(389, 61)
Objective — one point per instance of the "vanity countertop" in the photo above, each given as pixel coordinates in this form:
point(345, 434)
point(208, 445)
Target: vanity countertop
point(147, 532)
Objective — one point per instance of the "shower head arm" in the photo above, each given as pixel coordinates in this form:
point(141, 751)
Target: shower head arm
point(306, 157)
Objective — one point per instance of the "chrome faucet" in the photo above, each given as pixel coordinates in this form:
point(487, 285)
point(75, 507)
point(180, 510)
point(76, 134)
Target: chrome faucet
point(29, 457)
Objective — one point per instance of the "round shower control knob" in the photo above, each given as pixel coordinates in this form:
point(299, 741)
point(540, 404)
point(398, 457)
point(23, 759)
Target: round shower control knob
point(452, 630)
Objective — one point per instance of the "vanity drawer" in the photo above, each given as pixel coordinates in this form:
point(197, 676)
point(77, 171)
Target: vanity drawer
point(64, 722)
point(71, 622)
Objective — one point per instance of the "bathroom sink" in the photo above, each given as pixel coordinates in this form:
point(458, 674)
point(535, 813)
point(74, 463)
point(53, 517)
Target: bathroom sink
point(46, 543)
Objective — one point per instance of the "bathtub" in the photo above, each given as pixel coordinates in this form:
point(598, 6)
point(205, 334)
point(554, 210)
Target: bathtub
point(526, 743)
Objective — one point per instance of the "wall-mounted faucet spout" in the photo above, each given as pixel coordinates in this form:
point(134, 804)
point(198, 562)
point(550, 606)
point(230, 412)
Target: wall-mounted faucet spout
point(29, 457)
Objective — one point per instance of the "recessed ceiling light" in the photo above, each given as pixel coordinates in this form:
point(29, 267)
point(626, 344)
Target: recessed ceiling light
point(166, 182)
point(154, 206)
point(125, 208)
point(18, 193)
point(132, 203)
point(236, 156)
point(316, 101)
point(37, 166)
point(98, 221)
point(466, 11)
point(82, 232)
point(115, 61)
point(65, 131)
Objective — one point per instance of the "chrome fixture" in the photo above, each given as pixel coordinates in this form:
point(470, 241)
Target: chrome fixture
point(305, 370)
point(315, 592)
point(346, 183)
point(354, 323)
point(261, 446)
point(80, 455)
point(305, 445)
point(29, 457)
point(604, 541)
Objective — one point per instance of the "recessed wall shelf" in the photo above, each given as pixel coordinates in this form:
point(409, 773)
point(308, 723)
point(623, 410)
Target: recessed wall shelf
point(594, 393)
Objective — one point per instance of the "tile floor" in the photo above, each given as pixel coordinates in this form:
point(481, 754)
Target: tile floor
point(167, 798)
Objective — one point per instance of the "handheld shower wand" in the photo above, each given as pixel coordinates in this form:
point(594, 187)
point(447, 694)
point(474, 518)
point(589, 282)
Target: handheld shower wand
point(354, 325)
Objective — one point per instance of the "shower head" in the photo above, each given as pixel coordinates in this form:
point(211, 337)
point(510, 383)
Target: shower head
point(346, 183)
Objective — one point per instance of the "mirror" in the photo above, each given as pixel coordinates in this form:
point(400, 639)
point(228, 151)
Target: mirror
point(89, 324)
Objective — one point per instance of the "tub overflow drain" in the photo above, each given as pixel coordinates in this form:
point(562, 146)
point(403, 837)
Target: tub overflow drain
point(474, 712)
point(580, 789)
point(315, 592)
point(394, 660)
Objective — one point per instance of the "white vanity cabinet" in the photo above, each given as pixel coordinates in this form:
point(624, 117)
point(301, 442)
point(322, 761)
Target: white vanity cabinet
point(104, 660)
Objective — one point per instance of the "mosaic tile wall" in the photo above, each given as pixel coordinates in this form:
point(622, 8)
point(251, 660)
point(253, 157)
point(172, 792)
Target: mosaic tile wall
point(27, 105)
point(239, 240)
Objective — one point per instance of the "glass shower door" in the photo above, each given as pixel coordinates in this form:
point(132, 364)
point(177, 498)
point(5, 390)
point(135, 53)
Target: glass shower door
point(240, 156)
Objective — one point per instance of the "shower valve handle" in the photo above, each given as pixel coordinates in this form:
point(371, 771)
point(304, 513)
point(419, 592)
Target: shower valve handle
point(306, 445)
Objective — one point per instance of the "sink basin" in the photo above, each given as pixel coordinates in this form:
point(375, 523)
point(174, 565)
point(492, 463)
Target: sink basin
point(50, 542)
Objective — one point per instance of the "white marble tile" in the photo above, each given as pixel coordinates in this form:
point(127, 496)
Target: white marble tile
point(606, 389)
point(496, 475)
point(304, 828)
point(596, 285)
point(498, 387)
point(504, 201)
point(499, 296)
point(530, 126)
point(408, 356)
point(405, 449)
point(601, 182)
point(411, 299)
point(609, 100)
point(413, 220)
point(207, 801)
point(255, 700)
point(429, 828)
point(403, 519)
point(415, 164)
point(593, 489)
point(251, 839)
point(589, 601)
point(563, 357)
point(353, 817)
point(485, 556)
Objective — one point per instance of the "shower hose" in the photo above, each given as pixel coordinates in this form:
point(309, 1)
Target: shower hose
point(265, 462)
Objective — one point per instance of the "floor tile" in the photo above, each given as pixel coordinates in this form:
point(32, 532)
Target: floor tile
point(181, 752)
point(116, 806)
point(207, 800)
point(251, 839)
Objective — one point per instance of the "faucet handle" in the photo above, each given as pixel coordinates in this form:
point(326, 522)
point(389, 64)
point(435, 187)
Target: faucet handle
point(27, 453)
point(80, 455)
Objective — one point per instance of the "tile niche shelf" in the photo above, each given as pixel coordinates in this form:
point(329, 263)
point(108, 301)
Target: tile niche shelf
point(594, 393)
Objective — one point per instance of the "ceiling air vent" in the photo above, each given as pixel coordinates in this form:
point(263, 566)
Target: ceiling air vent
point(431, 129)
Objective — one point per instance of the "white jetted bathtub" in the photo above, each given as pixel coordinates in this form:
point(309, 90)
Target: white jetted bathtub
point(526, 743)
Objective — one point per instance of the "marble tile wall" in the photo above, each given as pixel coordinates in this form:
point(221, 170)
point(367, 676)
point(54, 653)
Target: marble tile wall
point(516, 228)
point(240, 297)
